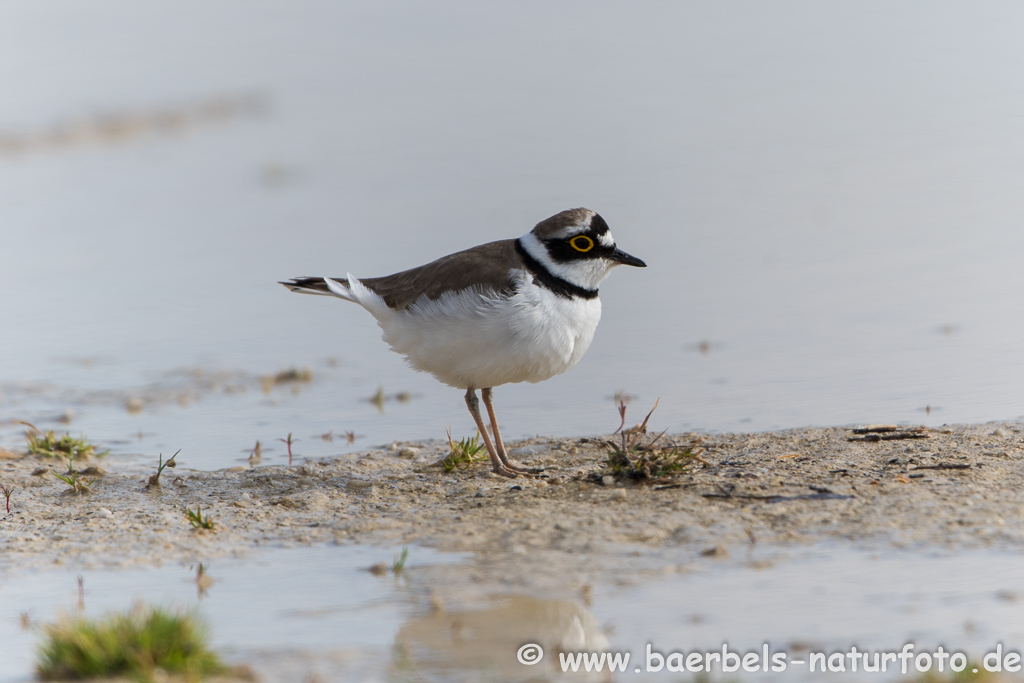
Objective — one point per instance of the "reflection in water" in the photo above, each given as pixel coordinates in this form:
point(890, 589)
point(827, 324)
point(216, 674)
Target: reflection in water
point(483, 643)
point(333, 619)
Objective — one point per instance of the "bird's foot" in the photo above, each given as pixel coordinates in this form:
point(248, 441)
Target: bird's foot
point(505, 471)
point(522, 469)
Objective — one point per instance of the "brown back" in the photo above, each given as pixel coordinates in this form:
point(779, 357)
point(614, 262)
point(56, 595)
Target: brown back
point(486, 267)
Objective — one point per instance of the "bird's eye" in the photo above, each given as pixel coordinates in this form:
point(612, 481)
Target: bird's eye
point(582, 243)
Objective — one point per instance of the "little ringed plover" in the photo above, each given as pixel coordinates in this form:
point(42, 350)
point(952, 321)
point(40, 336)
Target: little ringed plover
point(518, 310)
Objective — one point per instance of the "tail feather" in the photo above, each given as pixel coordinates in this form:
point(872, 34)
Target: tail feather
point(314, 285)
point(347, 288)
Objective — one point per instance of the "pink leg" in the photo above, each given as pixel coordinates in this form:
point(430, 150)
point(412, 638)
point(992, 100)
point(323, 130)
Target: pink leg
point(496, 460)
point(502, 453)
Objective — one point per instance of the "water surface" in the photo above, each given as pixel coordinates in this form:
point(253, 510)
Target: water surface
point(827, 197)
point(295, 613)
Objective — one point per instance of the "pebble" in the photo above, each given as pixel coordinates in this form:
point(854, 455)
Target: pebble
point(104, 513)
point(408, 452)
point(619, 494)
point(245, 496)
point(608, 480)
point(359, 485)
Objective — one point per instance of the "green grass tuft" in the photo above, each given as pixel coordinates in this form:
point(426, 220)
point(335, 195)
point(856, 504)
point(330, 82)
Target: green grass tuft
point(51, 445)
point(398, 566)
point(77, 484)
point(654, 464)
point(134, 644)
point(462, 454)
point(197, 520)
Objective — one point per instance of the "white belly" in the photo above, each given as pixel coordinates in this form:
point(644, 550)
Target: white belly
point(469, 340)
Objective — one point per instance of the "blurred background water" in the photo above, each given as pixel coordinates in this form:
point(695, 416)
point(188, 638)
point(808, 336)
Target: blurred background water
point(827, 195)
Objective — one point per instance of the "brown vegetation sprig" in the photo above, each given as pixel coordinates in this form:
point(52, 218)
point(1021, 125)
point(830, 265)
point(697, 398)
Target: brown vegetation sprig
point(631, 458)
point(154, 480)
point(8, 492)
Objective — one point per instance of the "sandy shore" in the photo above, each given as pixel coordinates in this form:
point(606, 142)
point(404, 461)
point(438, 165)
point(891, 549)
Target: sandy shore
point(962, 486)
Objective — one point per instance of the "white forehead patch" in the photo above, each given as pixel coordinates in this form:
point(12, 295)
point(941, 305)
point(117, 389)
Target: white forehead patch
point(582, 227)
point(573, 230)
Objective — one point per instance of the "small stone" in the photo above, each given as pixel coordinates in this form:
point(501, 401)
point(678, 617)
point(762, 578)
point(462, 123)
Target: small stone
point(408, 452)
point(245, 496)
point(619, 494)
point(608, 480)
point(104, 513)
point(519, 549)
point(480, 494)
point(359, 485)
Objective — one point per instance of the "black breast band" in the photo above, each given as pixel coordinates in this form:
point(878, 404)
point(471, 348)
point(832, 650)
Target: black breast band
point(544, 277)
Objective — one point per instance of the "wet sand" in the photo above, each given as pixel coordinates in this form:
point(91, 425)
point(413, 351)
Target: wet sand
point(959, 487)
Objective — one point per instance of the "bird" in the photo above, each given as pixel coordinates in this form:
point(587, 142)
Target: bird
point(514, 310)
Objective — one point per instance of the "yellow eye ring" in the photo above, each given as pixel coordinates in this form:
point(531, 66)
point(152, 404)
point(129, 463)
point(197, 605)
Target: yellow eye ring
point(582, 243)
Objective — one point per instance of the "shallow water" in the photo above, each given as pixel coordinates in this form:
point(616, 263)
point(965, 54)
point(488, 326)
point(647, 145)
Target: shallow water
point(320, 599)
point(829, 205)
point(300, 612)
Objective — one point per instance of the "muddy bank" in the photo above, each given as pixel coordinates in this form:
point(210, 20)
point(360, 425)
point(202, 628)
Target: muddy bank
point(962, 486)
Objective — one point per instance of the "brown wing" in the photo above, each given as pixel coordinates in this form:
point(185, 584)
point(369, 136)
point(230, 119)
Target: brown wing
point(486, 267)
